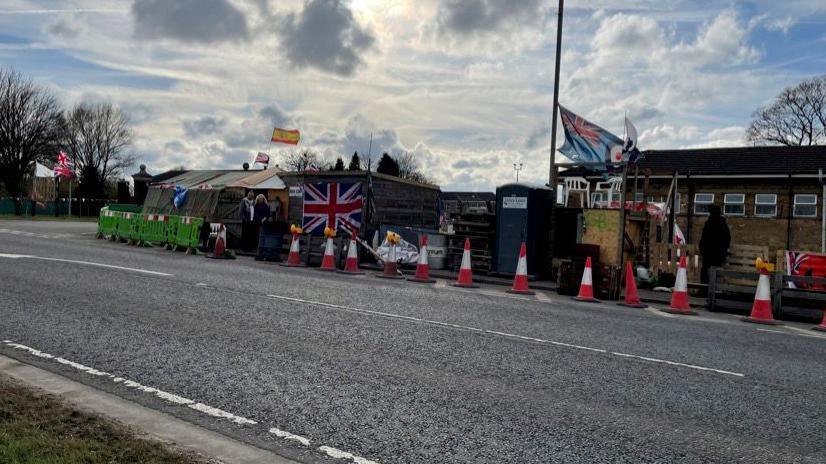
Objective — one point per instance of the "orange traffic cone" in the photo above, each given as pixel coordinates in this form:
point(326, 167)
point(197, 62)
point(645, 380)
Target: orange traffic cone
point(822, 326)
point(520, 280)
point(391, 266)
point(328, 262)
point(220, 250)
point(465, 278)
point(294, 258)
point(351, 266)
point(679, 298)
point(632, 298)
point(586, 286)
point(761, 310)
point(422, 267)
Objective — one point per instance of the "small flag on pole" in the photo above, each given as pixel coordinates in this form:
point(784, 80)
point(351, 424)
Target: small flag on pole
point(290, 137)
point(312, 168)
point(262, 158)
point(64, 166)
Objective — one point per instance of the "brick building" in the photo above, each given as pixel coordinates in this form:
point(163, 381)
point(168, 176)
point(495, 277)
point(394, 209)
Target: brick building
point(770, 196)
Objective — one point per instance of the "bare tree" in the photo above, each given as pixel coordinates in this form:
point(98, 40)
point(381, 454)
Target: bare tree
point(409, 168)
point(96, 136)
point(300, 160)
point(29, 120)
point(796, 117)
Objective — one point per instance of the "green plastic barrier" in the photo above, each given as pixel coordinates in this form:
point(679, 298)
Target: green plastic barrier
point(107, 223)
point(135, 227)
point(172, 231)
point(123, 223)
point(125, 208)
point(189, 233)
point(153, 229)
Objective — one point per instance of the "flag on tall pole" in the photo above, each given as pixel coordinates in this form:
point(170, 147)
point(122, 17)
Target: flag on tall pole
point(262, 158)
point(630, 153)
point(64, 167)
point(585, 142)
point(290, 137)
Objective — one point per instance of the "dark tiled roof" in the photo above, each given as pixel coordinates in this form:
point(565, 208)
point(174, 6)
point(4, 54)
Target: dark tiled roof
point(733, 161)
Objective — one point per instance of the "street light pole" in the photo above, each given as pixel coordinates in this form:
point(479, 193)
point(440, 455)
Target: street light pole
point(517, 169)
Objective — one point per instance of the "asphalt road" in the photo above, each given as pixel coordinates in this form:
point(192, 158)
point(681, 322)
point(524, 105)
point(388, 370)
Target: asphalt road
point(369, 370)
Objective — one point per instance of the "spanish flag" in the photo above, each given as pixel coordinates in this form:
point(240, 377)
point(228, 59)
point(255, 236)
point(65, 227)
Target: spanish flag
point(291, 137)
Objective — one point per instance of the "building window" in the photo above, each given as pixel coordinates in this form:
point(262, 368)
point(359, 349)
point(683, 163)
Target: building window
point(702, 201)
point(677, 203)
point(765, 205)
point(734, 204)
point(598, 198)
point(805, 206)
point(639, 197)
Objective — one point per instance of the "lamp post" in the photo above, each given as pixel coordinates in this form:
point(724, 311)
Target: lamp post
point(517, 168)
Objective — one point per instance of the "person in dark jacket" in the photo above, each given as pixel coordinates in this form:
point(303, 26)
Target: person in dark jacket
point(271, 237)
point(714, 243)
point(245, 213)
point(261, 215)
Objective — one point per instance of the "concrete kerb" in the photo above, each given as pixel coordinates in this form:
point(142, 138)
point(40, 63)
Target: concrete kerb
point(157, 425)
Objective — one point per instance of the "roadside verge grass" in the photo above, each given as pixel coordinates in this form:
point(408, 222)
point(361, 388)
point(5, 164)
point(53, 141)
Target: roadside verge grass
point(36, 428)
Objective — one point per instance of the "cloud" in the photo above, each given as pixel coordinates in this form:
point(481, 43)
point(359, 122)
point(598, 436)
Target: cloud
point(65, 27)
point(325, 35)
point(480, 17)
point(195, 21)
point(207, 125)
point(780, 24)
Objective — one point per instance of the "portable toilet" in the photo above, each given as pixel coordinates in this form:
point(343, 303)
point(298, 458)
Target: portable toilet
point(523, 213)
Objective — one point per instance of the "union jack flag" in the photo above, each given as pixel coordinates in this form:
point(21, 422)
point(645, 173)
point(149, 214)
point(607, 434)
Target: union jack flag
point(64, 166)
point(332, 205)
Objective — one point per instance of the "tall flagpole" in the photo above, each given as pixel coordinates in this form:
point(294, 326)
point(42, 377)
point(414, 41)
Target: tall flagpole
point(552, 174)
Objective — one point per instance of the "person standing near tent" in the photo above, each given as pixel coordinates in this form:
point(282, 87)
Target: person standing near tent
point(260, 216)
point(714, 242)
point(246, 213)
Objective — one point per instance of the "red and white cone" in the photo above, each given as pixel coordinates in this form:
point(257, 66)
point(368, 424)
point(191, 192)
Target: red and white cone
point(294, 258)
point(351, 265)
point(465, 279)
point(422, 266)
point(822, 326)
point(679, 297)
point(220, 250)
point(520, 280)
point(632, 298)
point(761, 310)
point(328, 262)
point(391, 266)
point(586, 286)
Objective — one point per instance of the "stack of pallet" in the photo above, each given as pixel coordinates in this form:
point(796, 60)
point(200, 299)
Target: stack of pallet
point(480, 229)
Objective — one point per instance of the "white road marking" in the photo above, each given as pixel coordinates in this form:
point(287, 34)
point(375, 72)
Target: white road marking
point(502, 334)
point(86, 263)
point(289, 436)
point(176, 399)
point(543, 297)
point(801, 332)
point(672, 363)
point(440, 284)
point(201, 284)
point(338, 454)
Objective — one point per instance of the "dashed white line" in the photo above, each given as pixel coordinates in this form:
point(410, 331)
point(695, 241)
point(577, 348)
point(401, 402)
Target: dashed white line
point(86, 263)
point(290, 436)
point(176, 399)
point(503, 334)
point(338, 454)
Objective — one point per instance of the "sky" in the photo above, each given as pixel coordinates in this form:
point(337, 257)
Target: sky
point(465, 85)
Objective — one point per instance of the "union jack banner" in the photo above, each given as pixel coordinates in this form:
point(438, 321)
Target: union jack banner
point(332, 205)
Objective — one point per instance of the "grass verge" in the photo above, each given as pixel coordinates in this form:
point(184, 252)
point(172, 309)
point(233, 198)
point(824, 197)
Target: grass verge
point(36, 428)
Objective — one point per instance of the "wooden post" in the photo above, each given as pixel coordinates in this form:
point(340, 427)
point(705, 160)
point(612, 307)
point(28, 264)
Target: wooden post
point(621, 247)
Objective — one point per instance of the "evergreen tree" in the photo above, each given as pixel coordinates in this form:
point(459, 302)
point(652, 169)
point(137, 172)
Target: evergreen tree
point(388, 165)
point(339, 165)
point(355, 163)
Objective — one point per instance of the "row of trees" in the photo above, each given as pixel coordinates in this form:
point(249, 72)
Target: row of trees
point(797, 116)
point(34, 127)
point(403, 165)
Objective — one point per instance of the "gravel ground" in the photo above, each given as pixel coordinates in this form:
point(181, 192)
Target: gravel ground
point(402, 373)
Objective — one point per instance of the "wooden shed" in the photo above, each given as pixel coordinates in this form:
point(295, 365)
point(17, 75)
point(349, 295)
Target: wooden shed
point(390, 200)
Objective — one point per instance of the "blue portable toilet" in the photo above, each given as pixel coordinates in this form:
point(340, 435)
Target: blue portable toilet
point(523, 212)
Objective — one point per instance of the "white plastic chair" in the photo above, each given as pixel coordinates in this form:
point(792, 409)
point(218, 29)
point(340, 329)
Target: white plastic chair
point(611, 188)
point(578, 184)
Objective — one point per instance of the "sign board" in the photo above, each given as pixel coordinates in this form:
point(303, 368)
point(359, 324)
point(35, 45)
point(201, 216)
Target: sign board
point(601, 227)
point(515, 202)
point(297, 191)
